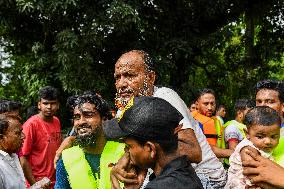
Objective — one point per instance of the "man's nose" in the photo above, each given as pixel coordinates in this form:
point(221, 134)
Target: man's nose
point(122, 82)
point(210, 106)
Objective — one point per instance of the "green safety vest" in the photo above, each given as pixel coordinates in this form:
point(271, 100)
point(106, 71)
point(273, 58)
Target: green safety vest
point(278, 152)
point(220, 132)
point(79, 171)
point(241, 128)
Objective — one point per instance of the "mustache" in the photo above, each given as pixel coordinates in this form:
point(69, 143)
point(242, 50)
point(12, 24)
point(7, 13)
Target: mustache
point(125, 90)
point(84, 125)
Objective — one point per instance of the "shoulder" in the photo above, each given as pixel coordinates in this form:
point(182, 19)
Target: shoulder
point(31, 122)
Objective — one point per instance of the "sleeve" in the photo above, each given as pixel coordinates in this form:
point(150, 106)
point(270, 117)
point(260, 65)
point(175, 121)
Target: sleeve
point(29, 139)
point(232, 132)
point(62, 181)
point(174, 99)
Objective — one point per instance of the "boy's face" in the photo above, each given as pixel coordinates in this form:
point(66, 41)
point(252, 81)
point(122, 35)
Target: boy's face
point(139, 155)
point(48, 107)
point(265, 138)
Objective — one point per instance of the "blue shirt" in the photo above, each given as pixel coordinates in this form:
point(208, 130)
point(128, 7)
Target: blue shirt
point(62, 180)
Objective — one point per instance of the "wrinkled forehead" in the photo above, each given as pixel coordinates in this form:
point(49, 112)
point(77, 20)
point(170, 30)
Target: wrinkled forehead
point(129, 59)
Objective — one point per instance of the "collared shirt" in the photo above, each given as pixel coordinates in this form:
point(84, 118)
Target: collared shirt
point(11, 173)
point(176, 174)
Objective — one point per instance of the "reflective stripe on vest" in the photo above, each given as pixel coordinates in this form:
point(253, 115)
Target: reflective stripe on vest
point(219, 130)
point(79, 171)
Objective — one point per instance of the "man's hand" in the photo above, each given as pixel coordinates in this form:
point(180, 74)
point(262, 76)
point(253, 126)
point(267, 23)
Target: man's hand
point(262, 171)
point(67, 143)
point(124, 172)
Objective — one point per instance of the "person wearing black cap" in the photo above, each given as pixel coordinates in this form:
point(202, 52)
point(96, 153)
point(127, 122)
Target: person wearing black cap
point(147, 126)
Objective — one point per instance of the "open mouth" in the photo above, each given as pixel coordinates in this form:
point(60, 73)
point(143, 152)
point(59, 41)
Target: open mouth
point(84, 130)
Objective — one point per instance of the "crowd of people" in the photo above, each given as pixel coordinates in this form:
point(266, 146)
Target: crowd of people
point(154, 140)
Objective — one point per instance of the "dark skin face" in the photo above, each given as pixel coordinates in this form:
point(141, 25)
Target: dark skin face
point(86, 119)
point(13, 138)
point(270, 98)
point(132, 78)
point(47, 108)
point(206, 104)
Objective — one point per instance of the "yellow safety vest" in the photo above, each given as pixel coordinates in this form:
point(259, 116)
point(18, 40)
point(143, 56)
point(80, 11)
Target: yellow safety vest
point(278, 152)
point(220, 132)
point(241, 128)
point(79, 171)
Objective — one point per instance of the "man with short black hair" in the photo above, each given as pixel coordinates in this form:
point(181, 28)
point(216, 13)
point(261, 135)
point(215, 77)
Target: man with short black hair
point(10, 107)
point(43, 137)
point(271, 93)
point(85, 165)
point(234, 129)
point(147, 126)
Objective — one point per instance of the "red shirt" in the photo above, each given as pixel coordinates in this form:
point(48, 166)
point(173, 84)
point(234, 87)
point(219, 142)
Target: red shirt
point(41, 142)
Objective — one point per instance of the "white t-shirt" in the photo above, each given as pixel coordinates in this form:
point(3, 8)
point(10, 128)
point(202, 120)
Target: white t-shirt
point(210, 164)
point(232, 131)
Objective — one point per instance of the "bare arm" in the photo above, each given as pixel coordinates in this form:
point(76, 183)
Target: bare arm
point(67, 143)
point(188, 145)
point(27, 170)
point(232, 144)
point(221, 153)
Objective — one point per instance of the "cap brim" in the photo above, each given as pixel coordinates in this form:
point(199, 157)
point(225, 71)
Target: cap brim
point(112, 129)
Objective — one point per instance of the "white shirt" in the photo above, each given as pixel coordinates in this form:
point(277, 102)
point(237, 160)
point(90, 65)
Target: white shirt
point(210, 164)
point(11, 173)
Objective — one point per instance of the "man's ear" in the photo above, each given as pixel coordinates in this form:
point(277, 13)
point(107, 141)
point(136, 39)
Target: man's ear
point(282, 110)
point(38, 104)
point(152, 77)
point(151, 149)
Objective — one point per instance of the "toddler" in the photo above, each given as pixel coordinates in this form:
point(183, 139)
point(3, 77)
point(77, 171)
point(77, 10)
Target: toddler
point(262, 134)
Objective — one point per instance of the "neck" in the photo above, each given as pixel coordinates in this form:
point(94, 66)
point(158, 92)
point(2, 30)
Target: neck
point(238, 119)
point(4, 149)
point(98, 147)
point(44, 118)
point(162, 161)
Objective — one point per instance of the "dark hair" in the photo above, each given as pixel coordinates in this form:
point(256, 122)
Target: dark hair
point(168, 146)
point(9, 105)
point(89, 97)
point(270, 84)
point(149, 63)
point(219, 107)
point(48, 93)
point(33, 110)
point(203, 91)
point(4, 124)
point(262, 115)
point(242, 104)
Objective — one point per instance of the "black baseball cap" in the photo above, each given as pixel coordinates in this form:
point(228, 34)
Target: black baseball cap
point(145, 118)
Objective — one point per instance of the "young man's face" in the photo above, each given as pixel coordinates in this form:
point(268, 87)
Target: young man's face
point(87, 122)
point(14, 137)
point(131, 77)
point(206, 104)
point(270, 98)
point(221, 112)
point(139, 155)
point(192, 108)
point(242, 114)
point(48, 107)
point(265, 138)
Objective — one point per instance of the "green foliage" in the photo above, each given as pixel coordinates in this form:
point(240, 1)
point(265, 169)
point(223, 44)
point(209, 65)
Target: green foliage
point(73, 45)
